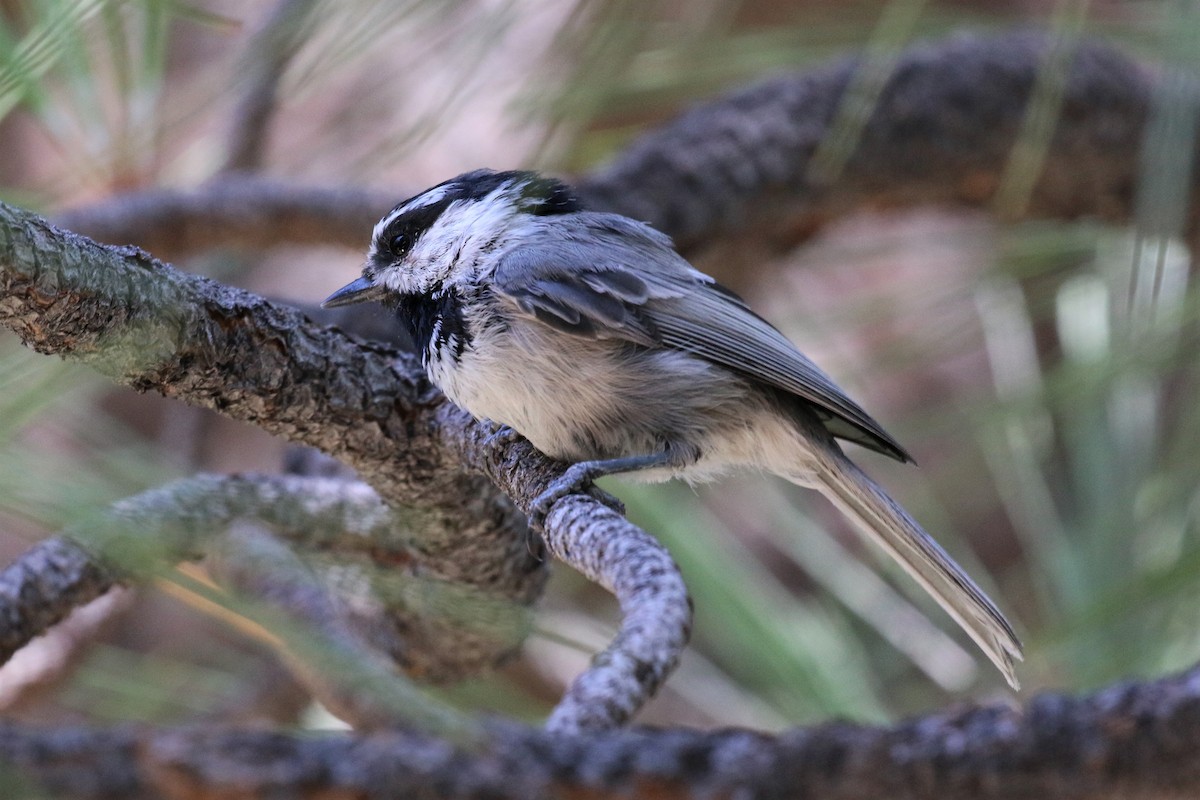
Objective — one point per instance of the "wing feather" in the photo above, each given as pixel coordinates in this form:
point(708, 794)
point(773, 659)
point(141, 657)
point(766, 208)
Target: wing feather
point(607, 276)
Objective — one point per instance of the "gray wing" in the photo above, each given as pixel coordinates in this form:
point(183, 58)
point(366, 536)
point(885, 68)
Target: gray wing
point(606, 276)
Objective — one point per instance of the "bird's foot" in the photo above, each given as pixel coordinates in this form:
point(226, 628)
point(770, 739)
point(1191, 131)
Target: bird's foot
point(500, 435)
point(576, 480)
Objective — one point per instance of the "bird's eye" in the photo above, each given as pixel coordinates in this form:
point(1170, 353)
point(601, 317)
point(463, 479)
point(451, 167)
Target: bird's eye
point(399, 244)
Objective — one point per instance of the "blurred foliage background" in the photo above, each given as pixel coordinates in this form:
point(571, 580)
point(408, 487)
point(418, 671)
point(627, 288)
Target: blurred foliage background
point(1041, 373)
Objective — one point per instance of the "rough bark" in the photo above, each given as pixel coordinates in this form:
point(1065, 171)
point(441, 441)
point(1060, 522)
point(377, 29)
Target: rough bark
point(1129, 741)
point(150, 327)
point(153, 328)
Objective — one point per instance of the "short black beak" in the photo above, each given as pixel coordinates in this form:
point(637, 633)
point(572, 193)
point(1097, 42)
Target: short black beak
point(359, 291)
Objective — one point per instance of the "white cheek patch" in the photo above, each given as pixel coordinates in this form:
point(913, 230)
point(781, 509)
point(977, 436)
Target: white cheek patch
point(456, 243)
point(398, 280)
point(460, 233)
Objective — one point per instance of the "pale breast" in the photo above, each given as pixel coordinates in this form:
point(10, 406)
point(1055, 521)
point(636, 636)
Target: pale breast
point(539, 390)
point(577, 398)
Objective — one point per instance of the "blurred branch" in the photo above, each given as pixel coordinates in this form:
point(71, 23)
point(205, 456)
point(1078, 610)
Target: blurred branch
point(142, 535)
point(736, 171)
point(231, 211)
point(41, 588)
point(49, 660)
point(343, 661)
point(1129, 741)
point(265, 59)
point(940, 132)
point(352, 665)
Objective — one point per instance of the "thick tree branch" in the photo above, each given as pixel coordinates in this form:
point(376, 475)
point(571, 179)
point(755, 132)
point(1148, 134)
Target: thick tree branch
point(941, 132)
point(1129, 741)
point(150, 327)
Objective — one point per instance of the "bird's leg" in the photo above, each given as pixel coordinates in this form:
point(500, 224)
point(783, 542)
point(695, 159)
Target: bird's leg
point(583, 473)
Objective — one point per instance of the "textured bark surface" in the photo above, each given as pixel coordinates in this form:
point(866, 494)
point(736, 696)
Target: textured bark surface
point(739, 171)
point(153, 328)
point(656, 611)
point(1130, 741)
point(49, 582)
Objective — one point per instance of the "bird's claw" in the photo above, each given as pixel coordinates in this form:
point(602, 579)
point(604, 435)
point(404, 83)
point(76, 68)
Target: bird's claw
point(576, 480)
point(500, 435)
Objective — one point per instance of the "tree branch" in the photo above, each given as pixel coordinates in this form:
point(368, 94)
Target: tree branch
point(264, 61)
point(233, 210)
point(153, 328)
point(41, 588)
point(941, 132)
point(50, 660)
point(161, 527)
point(1129, 741)
point(656, 611)
point(736, 171)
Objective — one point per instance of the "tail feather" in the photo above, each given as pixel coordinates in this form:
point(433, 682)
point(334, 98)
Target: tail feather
point(883, 520)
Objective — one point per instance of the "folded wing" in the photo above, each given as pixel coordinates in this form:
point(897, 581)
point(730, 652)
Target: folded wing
point(606, 276)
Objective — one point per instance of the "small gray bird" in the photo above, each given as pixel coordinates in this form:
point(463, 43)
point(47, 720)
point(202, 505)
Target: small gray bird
point(590, 336)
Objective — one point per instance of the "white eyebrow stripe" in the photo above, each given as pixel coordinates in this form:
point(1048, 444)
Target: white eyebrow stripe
point(430, 197)
point(420, 201)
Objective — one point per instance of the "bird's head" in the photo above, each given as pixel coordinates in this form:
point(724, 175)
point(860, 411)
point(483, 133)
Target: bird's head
point(447, 233)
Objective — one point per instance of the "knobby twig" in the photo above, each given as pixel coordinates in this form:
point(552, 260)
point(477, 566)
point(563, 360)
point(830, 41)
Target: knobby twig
point(656, 612)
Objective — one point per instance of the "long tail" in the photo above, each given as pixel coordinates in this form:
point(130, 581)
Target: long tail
point(883, 520)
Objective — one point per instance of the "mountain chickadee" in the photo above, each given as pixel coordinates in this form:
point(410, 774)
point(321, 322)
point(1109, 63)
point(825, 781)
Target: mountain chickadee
point(589, 335)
